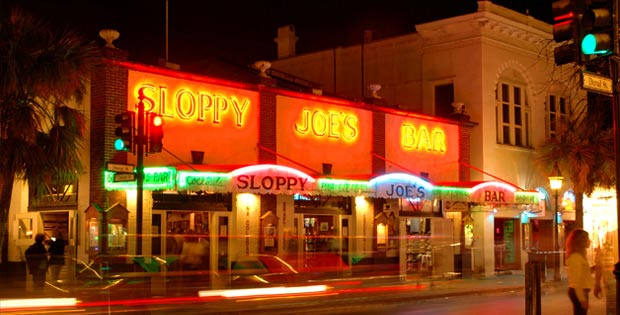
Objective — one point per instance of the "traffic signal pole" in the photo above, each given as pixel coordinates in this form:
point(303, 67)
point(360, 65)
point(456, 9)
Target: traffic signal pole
point(614, 69)
point(140, 141)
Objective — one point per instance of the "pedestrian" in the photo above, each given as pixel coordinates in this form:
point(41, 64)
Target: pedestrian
point(57, 255)
point(36, 259)
point(580, 280)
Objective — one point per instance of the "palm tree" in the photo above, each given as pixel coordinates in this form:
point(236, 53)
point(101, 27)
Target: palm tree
point(41, 72)
point(584, 151)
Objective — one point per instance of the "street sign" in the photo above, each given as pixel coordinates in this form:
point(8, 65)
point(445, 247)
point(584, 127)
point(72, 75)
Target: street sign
point(596, 83)
point(121, 168)
point(124, 177)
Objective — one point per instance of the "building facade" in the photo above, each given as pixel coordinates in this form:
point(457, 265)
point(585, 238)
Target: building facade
point(252, 168)
point(495, 65)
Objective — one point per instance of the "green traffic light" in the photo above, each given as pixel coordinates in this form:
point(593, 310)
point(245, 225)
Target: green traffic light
point(595, 44)
point(119, 144)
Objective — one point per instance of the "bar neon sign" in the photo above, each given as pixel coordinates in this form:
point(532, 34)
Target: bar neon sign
point(420, 138)
point(155, 178)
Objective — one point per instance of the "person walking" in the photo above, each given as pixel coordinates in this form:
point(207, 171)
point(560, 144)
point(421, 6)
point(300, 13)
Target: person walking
point(36, 259)
point(57, 255)
point(580, 280)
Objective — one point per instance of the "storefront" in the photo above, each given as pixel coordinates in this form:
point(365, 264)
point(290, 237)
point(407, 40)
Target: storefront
point(491, 228)
point(250, 168)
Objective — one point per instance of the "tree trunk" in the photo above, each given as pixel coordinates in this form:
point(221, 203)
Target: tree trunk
point(6, 189)
point(578, 210)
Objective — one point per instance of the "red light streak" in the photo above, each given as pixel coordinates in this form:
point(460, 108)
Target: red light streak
point(568, 16)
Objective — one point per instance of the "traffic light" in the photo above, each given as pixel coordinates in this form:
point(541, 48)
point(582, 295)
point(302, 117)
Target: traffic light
point(124, 131)
point(597, 27)
point(566, 29)
point(155, 133)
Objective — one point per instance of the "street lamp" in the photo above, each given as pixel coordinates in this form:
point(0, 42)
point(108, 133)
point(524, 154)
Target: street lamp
point(555, 182)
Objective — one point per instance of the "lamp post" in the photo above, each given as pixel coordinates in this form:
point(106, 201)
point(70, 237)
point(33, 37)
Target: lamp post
point(555, 182)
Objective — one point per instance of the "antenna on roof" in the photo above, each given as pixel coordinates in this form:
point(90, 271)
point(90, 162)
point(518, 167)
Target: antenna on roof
point(166, 30)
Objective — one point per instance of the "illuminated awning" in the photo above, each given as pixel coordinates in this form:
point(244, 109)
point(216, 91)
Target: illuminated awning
point(488, 192)
point(205, 177)
point(401, 185)
point(271, 179)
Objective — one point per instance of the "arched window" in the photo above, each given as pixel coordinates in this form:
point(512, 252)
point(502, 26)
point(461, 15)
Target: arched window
point(513, 115)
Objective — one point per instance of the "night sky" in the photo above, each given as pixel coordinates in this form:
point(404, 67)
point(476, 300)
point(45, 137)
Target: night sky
point(242, 32)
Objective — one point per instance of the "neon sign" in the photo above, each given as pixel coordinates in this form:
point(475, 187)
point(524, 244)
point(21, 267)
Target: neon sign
point(328, 124)
point(269, 178)
point(208, 181)
point(198, 105)
point(342, 187)
point(401, 185)
point(155, 178)
point(419, 138)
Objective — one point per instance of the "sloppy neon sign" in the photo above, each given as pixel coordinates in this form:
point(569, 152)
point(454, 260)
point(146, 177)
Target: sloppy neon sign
point(197, 105)
point(420, 138)
point(327, 124)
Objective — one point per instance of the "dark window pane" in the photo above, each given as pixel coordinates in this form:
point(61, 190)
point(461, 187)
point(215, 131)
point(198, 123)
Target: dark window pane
point(505, 93)
point(518, 115)
point(506, 113)
point(527, 129)
point(506, 135)
point(552, 103)
point(518, 141)
point(444, 97)
point(517, 95)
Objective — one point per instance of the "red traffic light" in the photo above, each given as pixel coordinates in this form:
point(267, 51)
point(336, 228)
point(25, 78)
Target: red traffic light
point(155, 133)
point(157, 120)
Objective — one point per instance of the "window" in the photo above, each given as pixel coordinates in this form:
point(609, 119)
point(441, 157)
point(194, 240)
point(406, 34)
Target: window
point(444, 97)
point(513, 116)
point(557, 109)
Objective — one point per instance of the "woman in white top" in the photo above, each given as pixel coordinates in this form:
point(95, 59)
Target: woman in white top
point(580, 280)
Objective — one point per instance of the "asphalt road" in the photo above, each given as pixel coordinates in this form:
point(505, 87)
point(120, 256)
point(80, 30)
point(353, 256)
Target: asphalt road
point(388, 301)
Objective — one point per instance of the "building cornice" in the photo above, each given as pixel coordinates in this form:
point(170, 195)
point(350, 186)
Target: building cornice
point(490, 21)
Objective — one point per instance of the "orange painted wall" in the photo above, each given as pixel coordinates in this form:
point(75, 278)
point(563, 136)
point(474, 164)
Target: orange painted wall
point(421, 145)
point(337, 134)
point(219, 120)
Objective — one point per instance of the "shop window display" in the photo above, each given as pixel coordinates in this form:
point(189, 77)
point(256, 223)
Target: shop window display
point(419, 259)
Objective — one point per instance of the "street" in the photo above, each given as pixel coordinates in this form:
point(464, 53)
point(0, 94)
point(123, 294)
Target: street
point(366, 301)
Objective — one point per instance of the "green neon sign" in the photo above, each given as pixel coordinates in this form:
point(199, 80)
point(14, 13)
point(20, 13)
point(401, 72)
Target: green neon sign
point(155, 178)
point(342, 186)
point(208, 181)
point(527, 197)
point(452, 193)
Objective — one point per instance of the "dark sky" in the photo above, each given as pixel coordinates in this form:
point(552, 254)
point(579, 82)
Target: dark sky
point(243, 31)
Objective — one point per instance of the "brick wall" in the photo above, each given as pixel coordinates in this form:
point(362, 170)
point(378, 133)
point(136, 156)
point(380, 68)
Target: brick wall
point(267, 121)
point(378, 142)
point(108, 98)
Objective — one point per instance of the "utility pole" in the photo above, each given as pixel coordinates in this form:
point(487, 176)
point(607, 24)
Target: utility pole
point(140, 173)
point(613, 67)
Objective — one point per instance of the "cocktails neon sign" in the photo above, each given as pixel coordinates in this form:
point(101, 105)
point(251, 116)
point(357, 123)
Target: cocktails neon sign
point(187, 104)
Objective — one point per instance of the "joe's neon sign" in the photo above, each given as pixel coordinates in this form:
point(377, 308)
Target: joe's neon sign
point(327, 124)
point(198, 105)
